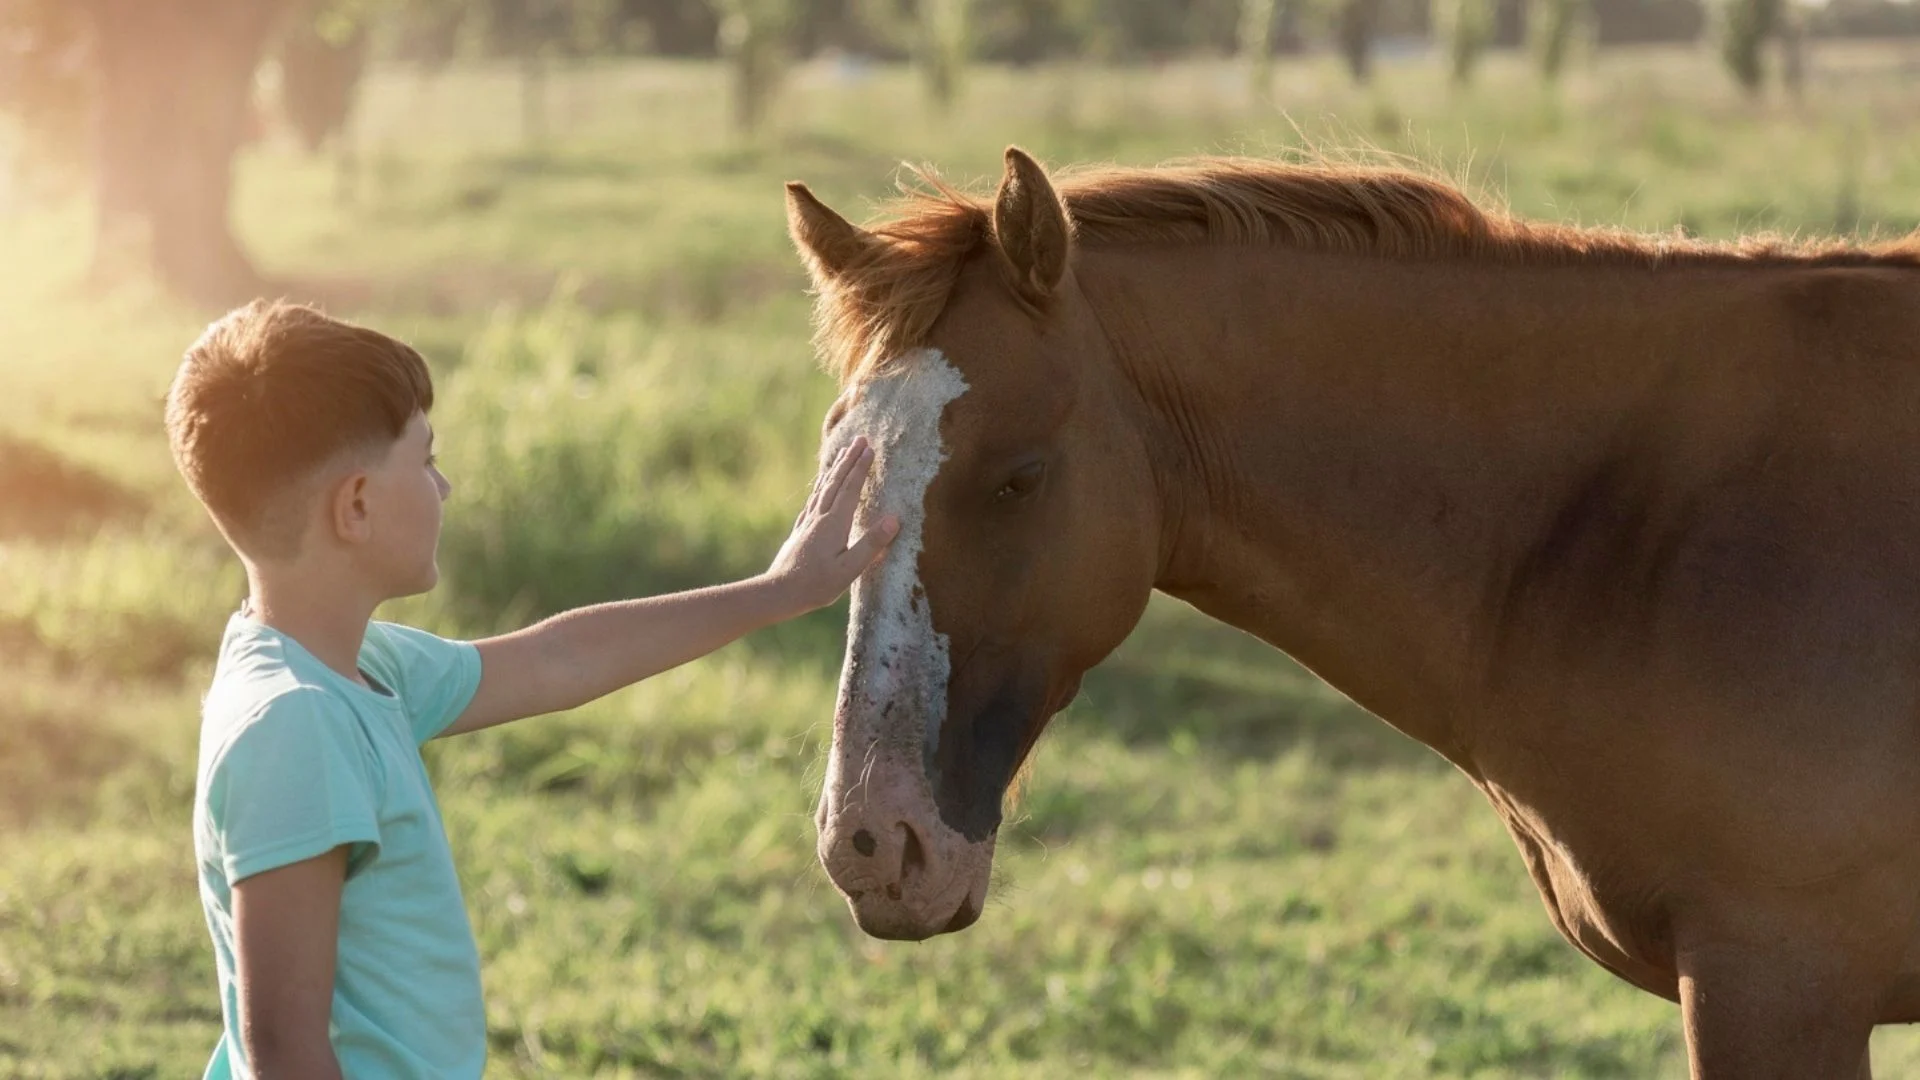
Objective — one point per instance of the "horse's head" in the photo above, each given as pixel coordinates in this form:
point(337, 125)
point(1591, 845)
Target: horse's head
point(1029, 539)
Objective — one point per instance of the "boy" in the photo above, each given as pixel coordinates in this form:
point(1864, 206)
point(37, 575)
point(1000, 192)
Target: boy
point(340, 937)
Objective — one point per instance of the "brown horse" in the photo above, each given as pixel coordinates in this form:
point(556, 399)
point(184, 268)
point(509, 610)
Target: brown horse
point(1627, 528)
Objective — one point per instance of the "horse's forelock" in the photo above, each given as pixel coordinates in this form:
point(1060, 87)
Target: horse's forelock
point(884, 305)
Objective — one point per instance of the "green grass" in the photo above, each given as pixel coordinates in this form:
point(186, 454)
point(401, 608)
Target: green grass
point(1221, 867)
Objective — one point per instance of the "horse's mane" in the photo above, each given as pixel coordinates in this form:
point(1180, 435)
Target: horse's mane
point(886, 304)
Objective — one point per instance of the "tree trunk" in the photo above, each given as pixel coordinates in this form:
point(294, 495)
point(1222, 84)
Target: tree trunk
point(1357, 21)
point(751, 40)
point(943, 40)
point(1255, 34)
point(175, 90)
point(1793, 50)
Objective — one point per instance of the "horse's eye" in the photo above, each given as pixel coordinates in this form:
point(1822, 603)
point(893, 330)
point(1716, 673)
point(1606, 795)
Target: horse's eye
point(1024, 482)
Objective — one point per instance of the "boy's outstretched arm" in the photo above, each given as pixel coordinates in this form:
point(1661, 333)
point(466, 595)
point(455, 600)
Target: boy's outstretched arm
point(579, 655)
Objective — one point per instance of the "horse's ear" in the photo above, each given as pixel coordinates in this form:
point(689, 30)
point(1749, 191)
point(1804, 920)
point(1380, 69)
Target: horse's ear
point(1032, 226)
point(828, 243)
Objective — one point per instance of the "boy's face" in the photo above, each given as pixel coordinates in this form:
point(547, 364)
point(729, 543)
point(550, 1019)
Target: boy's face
point(403, 495)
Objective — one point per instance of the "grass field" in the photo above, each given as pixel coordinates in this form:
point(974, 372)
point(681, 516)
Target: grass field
point(1221, 869)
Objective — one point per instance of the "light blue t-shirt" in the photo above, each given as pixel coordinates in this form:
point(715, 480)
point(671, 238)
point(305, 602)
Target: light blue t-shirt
point(296, 760)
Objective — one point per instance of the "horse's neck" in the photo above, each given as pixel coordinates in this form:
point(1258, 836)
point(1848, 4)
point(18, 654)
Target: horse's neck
point(1360, 448)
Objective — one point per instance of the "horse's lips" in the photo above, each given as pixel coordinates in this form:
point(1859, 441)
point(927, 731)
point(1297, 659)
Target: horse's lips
point(962, 918)
point(881, 916)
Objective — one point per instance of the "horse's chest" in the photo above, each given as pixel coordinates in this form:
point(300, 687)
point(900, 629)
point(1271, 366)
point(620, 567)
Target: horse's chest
point(1598, 906)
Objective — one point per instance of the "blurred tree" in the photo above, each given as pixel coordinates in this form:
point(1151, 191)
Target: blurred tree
point(943, 44)
point(321, 61)
point(1743, 28)
point(1025, 32)
point(1466, 26)
point(1862, 18)
point(890, 27)
point(753, 39)
point(938, 36)
point(47, 77)
point(529, 31)
point(670, 27)
point(1793, 48)
point(1355, 24)
point(425, 32)
point(172, 83)
point(1553, 28)
point(1160, 28)
point(1635, 22)
point(1256, 45)
point(832, 26)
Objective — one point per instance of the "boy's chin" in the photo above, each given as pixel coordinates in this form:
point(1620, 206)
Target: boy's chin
point(424, 583)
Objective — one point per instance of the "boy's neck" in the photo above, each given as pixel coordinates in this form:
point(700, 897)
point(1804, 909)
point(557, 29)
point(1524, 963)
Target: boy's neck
point(327, 621)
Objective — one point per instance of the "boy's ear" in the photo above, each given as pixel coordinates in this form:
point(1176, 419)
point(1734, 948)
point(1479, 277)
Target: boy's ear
point(347, 508)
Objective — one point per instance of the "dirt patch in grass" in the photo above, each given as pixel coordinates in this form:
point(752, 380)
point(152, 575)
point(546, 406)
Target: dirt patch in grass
point(43, 496)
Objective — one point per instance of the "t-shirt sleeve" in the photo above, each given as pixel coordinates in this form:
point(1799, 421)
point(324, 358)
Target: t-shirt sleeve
point(294, 782)
point(435, 678)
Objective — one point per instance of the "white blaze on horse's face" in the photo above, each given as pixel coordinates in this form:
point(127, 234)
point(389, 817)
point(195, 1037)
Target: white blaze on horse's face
point(904, 872)
point(900, 416)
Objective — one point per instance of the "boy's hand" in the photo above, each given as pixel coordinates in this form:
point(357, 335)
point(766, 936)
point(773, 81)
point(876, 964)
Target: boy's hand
point(817, 562)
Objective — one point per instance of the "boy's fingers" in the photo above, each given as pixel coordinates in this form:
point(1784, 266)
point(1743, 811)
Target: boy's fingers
point(845, 494)
point(830, 481)
point(820, 482)
point(857, 457)
point(872, 544)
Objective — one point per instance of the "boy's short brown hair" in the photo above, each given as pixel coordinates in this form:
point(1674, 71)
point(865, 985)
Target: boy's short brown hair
point(271, 392)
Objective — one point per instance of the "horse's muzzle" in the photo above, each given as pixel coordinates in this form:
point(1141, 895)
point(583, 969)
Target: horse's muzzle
point(906, 875)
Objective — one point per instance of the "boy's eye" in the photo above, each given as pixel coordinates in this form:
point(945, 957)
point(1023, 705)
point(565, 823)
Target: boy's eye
point(433, 459)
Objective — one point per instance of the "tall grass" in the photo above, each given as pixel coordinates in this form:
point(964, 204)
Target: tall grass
point(121, 604)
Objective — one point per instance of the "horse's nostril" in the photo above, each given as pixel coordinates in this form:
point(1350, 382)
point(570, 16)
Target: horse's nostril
point(863, 842)
point(913, 858)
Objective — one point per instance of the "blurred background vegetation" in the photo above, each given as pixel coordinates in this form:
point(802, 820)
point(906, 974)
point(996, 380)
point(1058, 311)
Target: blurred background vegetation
point(102, 78)
point(573, 207)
